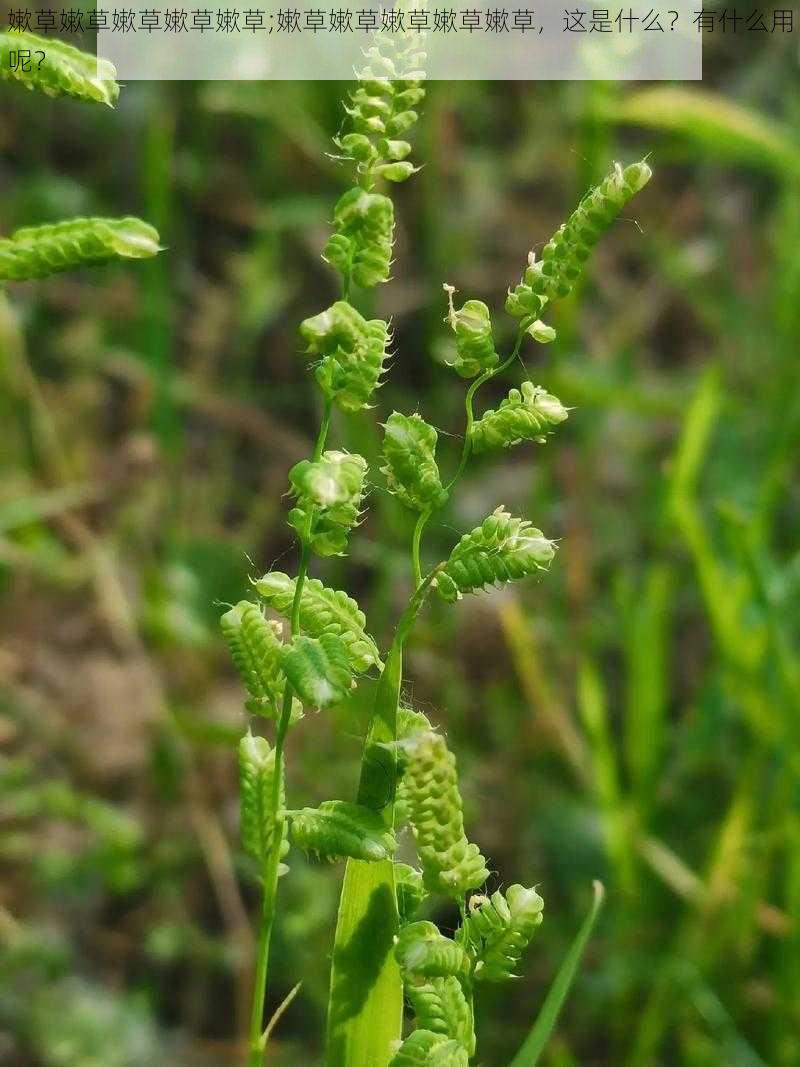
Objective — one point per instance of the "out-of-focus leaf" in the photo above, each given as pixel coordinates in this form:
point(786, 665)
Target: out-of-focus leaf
point(724, 127)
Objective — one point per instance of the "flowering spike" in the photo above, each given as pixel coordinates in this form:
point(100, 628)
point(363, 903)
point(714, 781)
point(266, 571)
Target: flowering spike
point(451, 865)
point(337, 829)
point(39, 251)
point(409, 449)
point(500, 550)
point(565, 254)
point(525, 415)
point(329, 493)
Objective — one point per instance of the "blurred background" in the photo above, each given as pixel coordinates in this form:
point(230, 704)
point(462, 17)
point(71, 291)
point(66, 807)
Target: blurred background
point(632, 717)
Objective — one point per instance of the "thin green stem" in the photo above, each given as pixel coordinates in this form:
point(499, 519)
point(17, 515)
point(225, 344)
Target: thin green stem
point(273, 861)
point(469, 399)
point(415, 543)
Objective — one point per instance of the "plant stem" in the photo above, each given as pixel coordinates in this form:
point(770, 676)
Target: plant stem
point(415, 541)
point(273, 862)
point(422, 521)
point(473, 389)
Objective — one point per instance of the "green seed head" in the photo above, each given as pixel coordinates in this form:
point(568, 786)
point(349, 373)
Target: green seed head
point(451, 865)
point(526, 414)
point(502, 549)
point(409, 451)
point(64, 70)
point(565, 254)
point(39, 251)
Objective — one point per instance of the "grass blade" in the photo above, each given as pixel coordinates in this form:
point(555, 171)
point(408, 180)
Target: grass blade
point(365, 1012)
point(537, 1039)
point(593, 706)
point(647, 661)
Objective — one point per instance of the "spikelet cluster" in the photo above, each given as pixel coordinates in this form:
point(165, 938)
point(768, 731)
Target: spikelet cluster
point(526, 414)
point(441, 1006)
point(318, 669)
point(256, 647)
point(256, 785)
point(64, 70)
point(565, 254)
point(329, 493)
point(451, 865)
point(499, 929)
point(500, 550)
point(409, 723)
point(433, 968)
point(361, 244)
point(39, 251)
point(409, 452)
point(382, 108)
point(338, 830)
point(323, 611)
point(351, 353)
point(472, 325)
point(424, 1048)
point(379, 112)
point(422, 951)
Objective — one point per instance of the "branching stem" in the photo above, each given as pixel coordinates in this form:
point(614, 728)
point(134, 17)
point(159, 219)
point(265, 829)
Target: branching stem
point(469, 399)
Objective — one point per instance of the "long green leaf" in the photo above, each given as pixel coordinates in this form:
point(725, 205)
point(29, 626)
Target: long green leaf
point(537, 1039)
point(365, 1009)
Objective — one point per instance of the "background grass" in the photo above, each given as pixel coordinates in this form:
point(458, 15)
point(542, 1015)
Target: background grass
point(633, 717)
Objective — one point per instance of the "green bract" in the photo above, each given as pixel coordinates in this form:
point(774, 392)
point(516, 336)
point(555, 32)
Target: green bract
point(409, 449)
point(318, 669)
point(525, 415)
point(39, 251)
point(64, 70)
point(565, 254)
point(472, 325)
point(337, 829)
point(323, 611)
point(352, 351)
point(500, 550)
point(499, 929)
point(451, 865)
point(329, 492)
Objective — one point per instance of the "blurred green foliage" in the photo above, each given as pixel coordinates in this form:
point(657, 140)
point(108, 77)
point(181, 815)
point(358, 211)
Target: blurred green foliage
point(634, 718)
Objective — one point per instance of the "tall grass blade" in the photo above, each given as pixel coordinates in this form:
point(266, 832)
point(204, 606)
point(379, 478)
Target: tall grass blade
point(365, 1011)
point(537, 1039)
point(647, 652)
point(593, 705)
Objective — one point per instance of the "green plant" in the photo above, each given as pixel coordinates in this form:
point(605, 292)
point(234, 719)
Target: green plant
point(39, 251)
point(314, 658)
